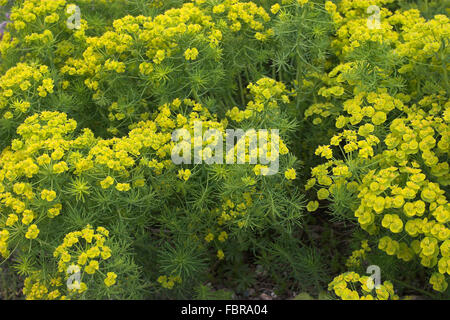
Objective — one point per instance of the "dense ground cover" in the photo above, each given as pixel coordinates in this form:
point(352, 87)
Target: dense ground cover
point(93, 206)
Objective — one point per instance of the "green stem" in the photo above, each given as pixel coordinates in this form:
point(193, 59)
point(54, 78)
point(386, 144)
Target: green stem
point(247, 76)
point(241, 91)
point(297, 77)
point(444, 68)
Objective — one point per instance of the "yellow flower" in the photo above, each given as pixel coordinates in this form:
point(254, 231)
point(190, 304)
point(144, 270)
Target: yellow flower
point(8, 115)
point(310, 183)
point(222, 236)
point(87, 233)
point(379, 204)
point(93, 252)
point(379, 118)
point(54, 294)
point(322, 194)
point(57, 154)
point(159, 56)
point(209, 237)
point(162, 279)
point(290, 174)
point(110, 279)
point(48, 195)
point(12, 219)
point(139, 183)
point(275, 8)
point(28, 216)
point(44, 159)
point(107, 182)
point(123, 186)
point(191, 54)
point(106, 252)
point(83, 287)
point(324, 151)
point(103, 231)
point(82, 259)
point(60, 167)
point(260, 169)
point(312, 206)
point(438, 282)
point(55, 210)
point(429, 246)
point(32, 232)
point(184, 174)
point(220, 254)
point(92, 267)
point(65, 256)
point(65, 84)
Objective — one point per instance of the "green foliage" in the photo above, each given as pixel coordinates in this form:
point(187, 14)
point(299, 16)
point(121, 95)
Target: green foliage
point(86, 175)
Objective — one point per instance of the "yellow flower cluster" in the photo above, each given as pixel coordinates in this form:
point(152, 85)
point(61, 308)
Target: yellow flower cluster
point(46, 142)
point(119, 154)
point(437, 280)
point(230, 214)
point(20, 85)
point(4, 236)
point(81, 251)
point(351, 22)
point(414, 38)
point(235, 213)
point(417, 208)
point(399, 197)
point(355, 259)
point(34, 289)
point(422, 135)
point(420, 40)
point(191, 54)
point(184, 174)
point(110, 279)
point(268, 94)
point(319, 111)
point(241, 14)
point(189, 32)
point(395, 146)
point(38, 24)
point(93, 244)
point(352, 286)
point(168, 282)
point(290, 174)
